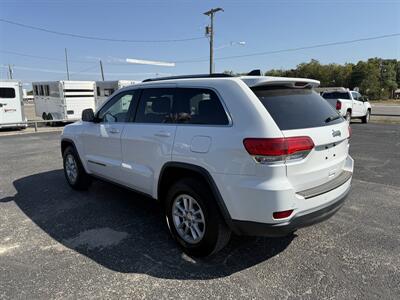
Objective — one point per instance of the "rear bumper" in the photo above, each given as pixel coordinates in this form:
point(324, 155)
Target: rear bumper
point(303, 219)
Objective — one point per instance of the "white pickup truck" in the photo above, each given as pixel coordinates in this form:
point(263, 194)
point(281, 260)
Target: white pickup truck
point(350, 104)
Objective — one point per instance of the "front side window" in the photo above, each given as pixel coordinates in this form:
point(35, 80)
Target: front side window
point(355, 95)
point(7, 93)
point(116, 110)
point(155, 106)
point(199, 106)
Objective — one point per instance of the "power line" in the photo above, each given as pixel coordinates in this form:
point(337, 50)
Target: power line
point(82, 72)
point(87, 37)
point(60, 59)
point(293, 49)
point(205, 59)
point(86, 69)
point(42, 57)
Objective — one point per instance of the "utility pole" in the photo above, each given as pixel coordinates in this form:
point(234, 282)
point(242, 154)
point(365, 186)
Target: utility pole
point(10, 72)
point(66, 63)
point(210, 34)
point(101, 69)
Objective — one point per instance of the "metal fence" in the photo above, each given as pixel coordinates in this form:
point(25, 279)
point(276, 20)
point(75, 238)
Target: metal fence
point(385, 115)
point(35, 123)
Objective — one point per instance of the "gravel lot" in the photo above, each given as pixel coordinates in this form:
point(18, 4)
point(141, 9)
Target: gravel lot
point(110, 242)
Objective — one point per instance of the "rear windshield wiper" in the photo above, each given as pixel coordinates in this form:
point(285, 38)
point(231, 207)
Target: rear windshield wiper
point(332, 118)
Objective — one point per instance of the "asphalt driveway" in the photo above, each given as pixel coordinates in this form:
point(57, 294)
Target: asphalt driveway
point(110, 242)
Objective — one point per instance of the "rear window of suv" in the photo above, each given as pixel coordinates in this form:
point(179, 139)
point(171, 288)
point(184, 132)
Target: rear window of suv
point(336, 95)
point(293, 108)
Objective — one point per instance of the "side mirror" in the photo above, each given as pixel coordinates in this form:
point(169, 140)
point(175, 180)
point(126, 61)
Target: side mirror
point(88, 115)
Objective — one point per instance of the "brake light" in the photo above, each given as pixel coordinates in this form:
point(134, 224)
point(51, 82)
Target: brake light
point(338, 105)
point(272, 150)
point(282, 214)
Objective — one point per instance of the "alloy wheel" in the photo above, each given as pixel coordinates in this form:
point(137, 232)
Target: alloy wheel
point(188, 219)
point(71, 168)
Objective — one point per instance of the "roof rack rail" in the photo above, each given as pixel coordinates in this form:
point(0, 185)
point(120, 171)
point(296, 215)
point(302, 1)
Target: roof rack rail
point(215, 75)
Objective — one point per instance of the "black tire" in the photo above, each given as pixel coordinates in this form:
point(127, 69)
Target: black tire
point(50, 117)
point(348, 116)
point(216, 232)
point(365, 119)
point(44, 116)
point(82, 180)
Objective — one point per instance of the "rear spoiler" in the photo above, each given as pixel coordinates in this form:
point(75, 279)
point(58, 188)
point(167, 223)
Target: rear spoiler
point(259, 81)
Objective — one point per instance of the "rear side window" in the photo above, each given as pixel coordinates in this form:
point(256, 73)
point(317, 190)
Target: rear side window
point(155, 106)
point(336, 95)
point(7, 93)
point(297, 108)
point(182, 106)
point(199, 106)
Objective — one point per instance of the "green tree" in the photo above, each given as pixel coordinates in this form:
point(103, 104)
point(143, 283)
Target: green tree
point(388, 70)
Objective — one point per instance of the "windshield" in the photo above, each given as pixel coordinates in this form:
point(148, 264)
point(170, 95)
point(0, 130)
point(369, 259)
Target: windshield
point(336, 95)
point(297, 108)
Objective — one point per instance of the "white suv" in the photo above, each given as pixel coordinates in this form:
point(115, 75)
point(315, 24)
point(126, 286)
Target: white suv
point(251, 155)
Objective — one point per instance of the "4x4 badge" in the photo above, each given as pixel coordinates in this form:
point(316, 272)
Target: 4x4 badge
point(336, 133)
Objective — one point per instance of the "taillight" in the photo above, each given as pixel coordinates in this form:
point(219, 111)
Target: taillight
point(278, 149)
point(282, 214)
point(338, 105)
point(350, 132)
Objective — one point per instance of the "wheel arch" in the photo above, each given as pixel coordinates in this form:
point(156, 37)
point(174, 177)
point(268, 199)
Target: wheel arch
point(65, 143)
point(173, 171)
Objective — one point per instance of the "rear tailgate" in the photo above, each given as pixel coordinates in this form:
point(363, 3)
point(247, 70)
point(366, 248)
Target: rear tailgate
point(325, 162)
point(301, 112)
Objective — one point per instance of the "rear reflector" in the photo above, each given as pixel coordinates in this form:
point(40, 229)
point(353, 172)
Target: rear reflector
point(278, 149)
point(338, 105)
point(282, 214)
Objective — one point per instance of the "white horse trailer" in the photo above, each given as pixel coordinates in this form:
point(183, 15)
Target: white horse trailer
point(105, 89)
point(63, 100)
point(12, 112)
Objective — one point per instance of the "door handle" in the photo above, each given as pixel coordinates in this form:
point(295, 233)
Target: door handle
point(114, 130)
point(163, 134)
